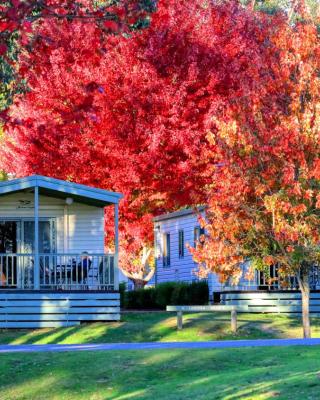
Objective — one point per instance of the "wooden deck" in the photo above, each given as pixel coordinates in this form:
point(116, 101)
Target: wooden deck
point(43, 309)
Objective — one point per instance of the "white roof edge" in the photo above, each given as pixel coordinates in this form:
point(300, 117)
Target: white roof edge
point(53, 184)
point(179, 213)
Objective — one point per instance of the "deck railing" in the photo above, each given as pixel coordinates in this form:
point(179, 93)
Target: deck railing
point(271, 281)
point(58, 271)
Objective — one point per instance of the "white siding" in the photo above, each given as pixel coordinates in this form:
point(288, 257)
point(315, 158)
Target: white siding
point(183, 269)
point(79, 227)
point(214, 284)
point(86, 228)
point(180, 269)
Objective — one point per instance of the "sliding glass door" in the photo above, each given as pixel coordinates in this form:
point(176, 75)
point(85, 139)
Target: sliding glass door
point(9, 233)
point(17, 237)
point(46, 246)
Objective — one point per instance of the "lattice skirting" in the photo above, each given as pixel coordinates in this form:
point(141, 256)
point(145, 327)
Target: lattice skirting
point(269, 302)
point(56, 309)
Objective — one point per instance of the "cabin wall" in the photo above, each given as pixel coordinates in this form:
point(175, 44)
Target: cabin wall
point(79, 227)
point(183, 269)
point(180, 269)
point(85, 228)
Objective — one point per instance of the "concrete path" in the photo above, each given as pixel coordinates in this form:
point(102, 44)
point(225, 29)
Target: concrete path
point(30, 348)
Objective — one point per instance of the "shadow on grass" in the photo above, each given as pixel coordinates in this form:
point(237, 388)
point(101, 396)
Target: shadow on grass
point(229, 374)
point(161, 326)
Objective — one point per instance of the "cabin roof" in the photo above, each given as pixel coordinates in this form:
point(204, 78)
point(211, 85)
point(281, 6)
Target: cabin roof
point(178, 214)
point(61, 189)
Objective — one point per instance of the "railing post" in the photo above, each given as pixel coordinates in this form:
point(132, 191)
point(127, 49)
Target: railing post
point(36, 272)
point(116, 247)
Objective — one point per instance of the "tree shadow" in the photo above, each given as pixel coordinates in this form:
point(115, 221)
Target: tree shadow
point(226, 374)
point(161, 326)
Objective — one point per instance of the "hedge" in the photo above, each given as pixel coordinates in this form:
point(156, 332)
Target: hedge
point(168, 293)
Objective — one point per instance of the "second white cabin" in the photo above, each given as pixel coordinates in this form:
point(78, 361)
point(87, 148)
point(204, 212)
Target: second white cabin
point(173, 231)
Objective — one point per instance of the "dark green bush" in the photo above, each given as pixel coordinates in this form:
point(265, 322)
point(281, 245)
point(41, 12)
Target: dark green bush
point(168, 293)
point(122, 290)
point(132, 299)
point(163, 294)
point(199, 293)
point(181, 295)
point(140, 299)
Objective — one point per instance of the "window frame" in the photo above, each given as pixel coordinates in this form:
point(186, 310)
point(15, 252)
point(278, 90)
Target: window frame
point(181, 243)
point(166, 259)
point(196, 236)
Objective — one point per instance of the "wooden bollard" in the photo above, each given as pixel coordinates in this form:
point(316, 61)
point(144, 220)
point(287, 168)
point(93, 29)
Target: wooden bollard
point(179, 320)
point(234, 321)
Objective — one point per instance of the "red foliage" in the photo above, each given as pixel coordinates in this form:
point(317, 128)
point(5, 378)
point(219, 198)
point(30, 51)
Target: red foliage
point(264, 196)
point(136, 114)
point(23, 16)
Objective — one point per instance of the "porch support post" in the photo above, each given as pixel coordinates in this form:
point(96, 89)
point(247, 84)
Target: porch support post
point(116, 246)
point(36, 240)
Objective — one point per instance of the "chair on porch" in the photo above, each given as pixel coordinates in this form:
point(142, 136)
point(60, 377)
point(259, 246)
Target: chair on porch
point(80, 271)
point(104, 275)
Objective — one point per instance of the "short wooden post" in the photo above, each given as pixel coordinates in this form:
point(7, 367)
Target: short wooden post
point(179, 320)
point(233, 320)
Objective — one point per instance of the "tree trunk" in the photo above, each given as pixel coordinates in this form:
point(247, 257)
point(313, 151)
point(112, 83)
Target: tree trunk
point(252, 4)
point(138, 284)
point(305, 294)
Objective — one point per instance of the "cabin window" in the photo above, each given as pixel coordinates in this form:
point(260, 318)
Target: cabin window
point(46, 236)
point(198, 231)
point(181, 244)
point(166, 250)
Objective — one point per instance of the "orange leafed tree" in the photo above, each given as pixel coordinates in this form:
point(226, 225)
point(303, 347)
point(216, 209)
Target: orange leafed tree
point(264, 196)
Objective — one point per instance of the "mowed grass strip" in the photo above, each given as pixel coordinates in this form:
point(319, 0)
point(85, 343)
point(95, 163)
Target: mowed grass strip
point(161, 326)
point(228, 374)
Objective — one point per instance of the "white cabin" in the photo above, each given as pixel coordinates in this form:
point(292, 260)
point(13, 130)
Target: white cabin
point(264, 293)
point(52, 247)
point(172, 232)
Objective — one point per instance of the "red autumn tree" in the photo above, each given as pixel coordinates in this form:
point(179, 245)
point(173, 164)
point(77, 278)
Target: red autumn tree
point(20, 20)
point(264, 196)
point(133, 115)
point(21, 17)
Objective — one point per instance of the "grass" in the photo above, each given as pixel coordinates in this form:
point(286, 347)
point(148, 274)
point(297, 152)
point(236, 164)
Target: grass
point(226, 374)
point(161, 326)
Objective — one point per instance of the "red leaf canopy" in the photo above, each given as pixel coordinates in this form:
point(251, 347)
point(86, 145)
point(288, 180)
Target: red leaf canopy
point(134, 114)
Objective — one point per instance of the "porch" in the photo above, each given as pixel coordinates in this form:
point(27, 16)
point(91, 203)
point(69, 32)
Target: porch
point(270, 281)
point(266, 293)
point(54, 268)
point(58, 272)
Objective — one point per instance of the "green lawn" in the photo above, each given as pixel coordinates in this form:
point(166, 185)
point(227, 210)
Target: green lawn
point(161, 326)
point(228, 374)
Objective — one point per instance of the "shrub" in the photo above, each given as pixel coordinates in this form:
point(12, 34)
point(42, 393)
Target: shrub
point(122, 291)
point(164, 293)
point(181, 294)
point(147, 298)
point(140, 299)
point(199, 293)
point(168, 293)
